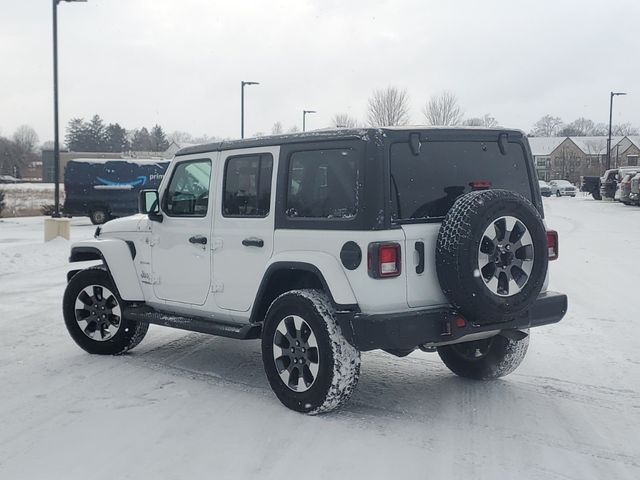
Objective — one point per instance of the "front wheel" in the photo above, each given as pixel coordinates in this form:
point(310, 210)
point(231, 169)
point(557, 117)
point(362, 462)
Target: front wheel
point(485, 359)
point(596, 196)
point(309, 364)
point(93, 315)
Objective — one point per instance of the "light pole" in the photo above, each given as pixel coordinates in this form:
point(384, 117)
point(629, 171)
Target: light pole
point(304, 118)
point(242, 84)
point(612, 94)
point(56, 141)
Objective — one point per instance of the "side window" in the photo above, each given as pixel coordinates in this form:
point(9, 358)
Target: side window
point(322, 184)
point(247, 186)
point(188, 192)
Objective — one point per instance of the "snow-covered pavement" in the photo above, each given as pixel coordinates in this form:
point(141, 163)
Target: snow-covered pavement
point(185, 405)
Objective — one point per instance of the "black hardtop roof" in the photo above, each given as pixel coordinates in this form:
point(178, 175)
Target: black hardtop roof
point(347, 134)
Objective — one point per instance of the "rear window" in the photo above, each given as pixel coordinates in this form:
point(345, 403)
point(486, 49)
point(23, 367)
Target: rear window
point(426, 185)
point(322, 184)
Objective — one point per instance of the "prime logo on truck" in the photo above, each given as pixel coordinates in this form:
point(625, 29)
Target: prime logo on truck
point(104, 189)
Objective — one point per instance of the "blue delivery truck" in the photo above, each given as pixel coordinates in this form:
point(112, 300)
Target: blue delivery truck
point(103, 189)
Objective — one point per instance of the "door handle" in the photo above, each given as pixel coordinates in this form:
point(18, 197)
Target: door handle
point(198, 239)
point(420, 249)
point(253, 242)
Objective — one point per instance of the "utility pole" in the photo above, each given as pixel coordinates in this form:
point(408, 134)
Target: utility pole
point(242, 85)
point(304, 118)
point(612, 94)
point(56, 141)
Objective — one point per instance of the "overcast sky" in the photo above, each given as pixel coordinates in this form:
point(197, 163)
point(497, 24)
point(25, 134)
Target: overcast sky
point(179, 62)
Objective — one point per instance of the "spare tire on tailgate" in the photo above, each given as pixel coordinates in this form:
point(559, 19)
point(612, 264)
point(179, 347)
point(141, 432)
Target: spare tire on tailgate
point(491, 255)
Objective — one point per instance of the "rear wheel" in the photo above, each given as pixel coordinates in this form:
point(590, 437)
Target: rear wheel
point(93, 315)
point(98, 216)
point(596, 196)
point(485, 359)
point(309, 364)
point(558, 194)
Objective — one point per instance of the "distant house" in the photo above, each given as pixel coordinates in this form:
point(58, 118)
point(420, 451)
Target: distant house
point(569, 158)
point(626, 152)
point(542, 148)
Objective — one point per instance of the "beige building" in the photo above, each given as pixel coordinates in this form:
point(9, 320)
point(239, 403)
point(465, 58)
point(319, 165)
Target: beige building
point(569, 158)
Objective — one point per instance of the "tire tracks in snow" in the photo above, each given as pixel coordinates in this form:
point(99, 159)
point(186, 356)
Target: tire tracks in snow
point(365, 413)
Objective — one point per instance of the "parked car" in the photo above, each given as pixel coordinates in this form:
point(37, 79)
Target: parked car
point(326, 244)
point(105, 189)
point(8, 179)
point(562, 188)
point(634, 195)
point(591, 185)
point(610, 180)
point(545, 189)
point(625, 187)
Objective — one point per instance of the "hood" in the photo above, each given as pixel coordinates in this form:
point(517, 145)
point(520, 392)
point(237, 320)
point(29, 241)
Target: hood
point(133, 223)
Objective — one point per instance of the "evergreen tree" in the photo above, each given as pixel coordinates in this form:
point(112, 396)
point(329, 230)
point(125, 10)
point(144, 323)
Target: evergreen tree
point(141, 141)
point(159, 142)
point(116, 138)
point(96, 135)
point(76, 137)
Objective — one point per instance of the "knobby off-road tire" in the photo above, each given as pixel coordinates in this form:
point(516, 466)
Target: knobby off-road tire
point(485, 359)
point(477, 291)
point(92, 310)
point(309, 364)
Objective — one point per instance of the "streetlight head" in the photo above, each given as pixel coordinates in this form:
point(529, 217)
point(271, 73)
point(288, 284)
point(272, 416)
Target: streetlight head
point(69, 1)
point(250, 83)
point(309, 111)
point(618, 93)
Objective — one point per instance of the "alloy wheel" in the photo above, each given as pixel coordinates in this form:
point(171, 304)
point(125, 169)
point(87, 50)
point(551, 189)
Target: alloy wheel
point(98, 312)
point(295, 353)
point(505, 256)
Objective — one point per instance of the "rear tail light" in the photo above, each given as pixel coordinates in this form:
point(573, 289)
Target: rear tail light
point(552, 245)
point(480, 185)
point(384, 259)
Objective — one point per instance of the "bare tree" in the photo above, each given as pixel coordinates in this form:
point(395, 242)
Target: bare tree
point(443, 109)
point(582, 127)
point(547, 126)
point(624, 129)
point(388, 107)
point(277, 128)
point(293, 129)
point(26, 139)
point(180, 138)
point(344, 120)
point(486, 121)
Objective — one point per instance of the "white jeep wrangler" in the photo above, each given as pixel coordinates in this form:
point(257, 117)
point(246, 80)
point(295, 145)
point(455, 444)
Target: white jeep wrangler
point(326, 244)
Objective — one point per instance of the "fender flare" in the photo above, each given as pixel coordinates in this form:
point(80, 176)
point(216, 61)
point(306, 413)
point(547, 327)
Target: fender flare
point(117, 256)
point(324, 266)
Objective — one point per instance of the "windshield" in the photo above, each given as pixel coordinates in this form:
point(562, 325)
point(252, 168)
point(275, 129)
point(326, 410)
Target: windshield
point(426, 185)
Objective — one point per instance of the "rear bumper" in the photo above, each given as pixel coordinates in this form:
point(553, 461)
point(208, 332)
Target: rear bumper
point(407, 330)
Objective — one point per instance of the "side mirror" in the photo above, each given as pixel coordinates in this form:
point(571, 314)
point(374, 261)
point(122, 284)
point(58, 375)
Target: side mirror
point(149, 203)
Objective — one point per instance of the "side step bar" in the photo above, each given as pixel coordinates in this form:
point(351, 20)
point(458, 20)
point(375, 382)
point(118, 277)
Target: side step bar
point(146, 314)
